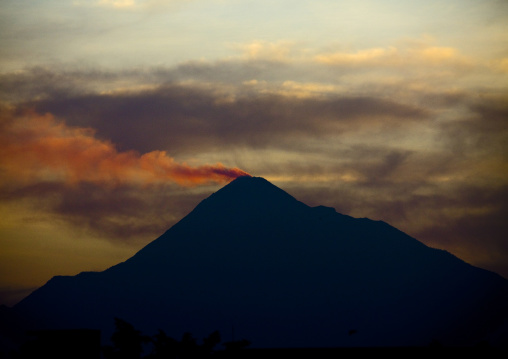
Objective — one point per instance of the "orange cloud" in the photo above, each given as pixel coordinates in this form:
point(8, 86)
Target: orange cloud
point(38, 148)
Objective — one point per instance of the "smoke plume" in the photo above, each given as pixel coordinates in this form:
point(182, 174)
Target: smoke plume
point(38, 148)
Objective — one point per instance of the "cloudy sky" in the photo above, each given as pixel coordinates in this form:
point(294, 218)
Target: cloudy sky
point(118, 116)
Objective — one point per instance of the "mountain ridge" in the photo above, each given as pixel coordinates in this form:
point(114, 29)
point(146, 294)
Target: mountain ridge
point(286, 275)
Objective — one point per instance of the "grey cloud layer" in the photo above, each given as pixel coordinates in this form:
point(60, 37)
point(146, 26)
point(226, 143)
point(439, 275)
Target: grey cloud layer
point(175, 117)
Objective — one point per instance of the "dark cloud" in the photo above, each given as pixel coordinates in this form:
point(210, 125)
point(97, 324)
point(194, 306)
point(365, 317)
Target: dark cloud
point(43, 83)
point(228, 71)
point(124, 213)
point(479, 233)
point(198, 115)
point(376, 165)
point(489, 125)
point(494, 110)
point(483, 130)
point(177, 118)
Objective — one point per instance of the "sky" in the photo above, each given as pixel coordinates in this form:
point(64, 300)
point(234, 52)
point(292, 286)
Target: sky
point(117, 117)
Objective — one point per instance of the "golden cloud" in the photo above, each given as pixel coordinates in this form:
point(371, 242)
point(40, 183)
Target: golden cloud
point(117, 3)
point(392, 56)
point(282, 51)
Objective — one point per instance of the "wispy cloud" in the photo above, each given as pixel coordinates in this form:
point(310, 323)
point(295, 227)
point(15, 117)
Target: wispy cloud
point(190, 118)
point(281, 51)
point(422, 55)
point(117, 3)
point(129, 4)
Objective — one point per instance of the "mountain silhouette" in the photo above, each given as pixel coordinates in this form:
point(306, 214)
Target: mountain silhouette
point(252, 259)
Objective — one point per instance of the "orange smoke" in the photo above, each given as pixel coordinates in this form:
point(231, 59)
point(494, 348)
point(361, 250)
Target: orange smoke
point(37, 148)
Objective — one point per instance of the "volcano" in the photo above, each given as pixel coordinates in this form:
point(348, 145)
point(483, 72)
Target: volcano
point(253, 259)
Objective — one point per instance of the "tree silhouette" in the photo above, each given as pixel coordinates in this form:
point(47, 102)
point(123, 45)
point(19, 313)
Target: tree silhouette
point(163, 346)
point(210, 342)
point(127, 342)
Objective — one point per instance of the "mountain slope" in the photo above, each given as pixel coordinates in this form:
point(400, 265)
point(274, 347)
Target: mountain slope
point(283, 274)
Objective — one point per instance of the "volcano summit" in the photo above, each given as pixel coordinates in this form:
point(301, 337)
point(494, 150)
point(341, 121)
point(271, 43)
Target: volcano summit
point(283, 274)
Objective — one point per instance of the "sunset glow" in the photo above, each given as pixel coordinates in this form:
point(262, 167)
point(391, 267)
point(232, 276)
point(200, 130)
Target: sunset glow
point(117, 117)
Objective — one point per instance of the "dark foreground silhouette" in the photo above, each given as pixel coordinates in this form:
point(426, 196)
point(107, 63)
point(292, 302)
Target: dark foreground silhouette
point(129, 343)
point(126, 343)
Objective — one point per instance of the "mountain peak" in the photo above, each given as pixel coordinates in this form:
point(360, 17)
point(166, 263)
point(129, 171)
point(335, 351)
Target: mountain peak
point(250, 193)
point(257, 186)
point(249, 183)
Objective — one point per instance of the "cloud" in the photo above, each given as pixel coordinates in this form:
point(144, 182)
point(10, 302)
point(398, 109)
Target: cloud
point(469, 221)
point(189, 118)
point(117, 3)
point(500, 65)
point(125, 213)
point(480, 133)
point(420, 55)
point(280, 51)
point(129, 4)
point(37, 148)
